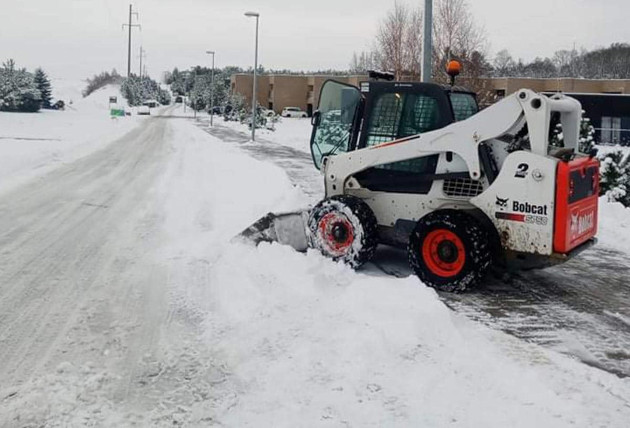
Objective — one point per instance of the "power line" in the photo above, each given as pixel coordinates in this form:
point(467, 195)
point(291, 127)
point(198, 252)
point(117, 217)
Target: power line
point(143, 55)
point(130, 25)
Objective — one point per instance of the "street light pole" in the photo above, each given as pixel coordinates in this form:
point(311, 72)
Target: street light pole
point(211, 88)
point(427, 47)
point(254, 15)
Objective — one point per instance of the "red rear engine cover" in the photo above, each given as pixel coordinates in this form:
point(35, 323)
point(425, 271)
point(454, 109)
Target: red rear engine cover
point(577, 195)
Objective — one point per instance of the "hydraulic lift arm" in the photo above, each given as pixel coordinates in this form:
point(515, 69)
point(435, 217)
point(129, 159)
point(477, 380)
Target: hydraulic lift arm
point(463, 138)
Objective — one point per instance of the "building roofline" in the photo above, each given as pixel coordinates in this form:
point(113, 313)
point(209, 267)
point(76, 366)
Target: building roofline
point(553, 79)
point(301, 75)
point(599, 94)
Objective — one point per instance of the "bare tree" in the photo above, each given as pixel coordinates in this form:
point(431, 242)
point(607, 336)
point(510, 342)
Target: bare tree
point(391, 39)
point(364, 61)
point(503, 64)
point(413, 44)
point(455, 36)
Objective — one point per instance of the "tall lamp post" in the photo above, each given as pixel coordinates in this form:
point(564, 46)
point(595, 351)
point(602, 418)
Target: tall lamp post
point(427, 49)
point(211, 88)
point(254, 15)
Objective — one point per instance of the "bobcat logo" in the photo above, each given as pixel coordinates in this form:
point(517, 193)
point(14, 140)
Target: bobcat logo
point(574, 224)
point(581, 224)
point(502, 203)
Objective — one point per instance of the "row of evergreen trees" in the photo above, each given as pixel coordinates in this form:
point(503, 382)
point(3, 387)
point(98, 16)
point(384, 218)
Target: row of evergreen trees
point(137, 90)
point(197, 83)
point(22, 91)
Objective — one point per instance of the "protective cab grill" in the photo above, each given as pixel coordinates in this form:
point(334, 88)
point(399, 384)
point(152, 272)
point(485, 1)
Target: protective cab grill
point(462, 188)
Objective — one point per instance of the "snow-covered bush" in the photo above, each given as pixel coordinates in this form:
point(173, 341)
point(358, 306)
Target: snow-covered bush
point(18, 90)
point(234, 108)
point(137, 90)
point(615, 177)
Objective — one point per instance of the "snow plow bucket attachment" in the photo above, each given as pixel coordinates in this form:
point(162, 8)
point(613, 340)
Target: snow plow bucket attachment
point(285, 228)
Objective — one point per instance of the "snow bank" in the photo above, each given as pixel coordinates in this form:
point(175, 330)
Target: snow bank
point(309, 342)
point(33, 143)
point(603, 149)
point(614, 225)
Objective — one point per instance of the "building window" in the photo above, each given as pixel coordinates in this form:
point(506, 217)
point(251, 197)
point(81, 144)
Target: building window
point(611, 130)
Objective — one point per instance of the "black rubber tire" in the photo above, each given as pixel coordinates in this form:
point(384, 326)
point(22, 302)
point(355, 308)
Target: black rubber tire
point(477, 249)
point(358, 213)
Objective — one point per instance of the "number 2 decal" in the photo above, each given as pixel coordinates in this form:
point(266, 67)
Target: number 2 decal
point(521, 170)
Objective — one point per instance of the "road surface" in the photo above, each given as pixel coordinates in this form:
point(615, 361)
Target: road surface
point(581, 308)
point(91, 321)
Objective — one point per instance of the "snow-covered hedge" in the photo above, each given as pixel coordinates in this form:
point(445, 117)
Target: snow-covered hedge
point(137, 90)
point(18, 89)
point(615, 177)
point(615, 166)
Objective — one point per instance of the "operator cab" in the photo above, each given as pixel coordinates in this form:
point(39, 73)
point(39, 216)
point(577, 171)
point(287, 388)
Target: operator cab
point(379, 112)
point(349, 118)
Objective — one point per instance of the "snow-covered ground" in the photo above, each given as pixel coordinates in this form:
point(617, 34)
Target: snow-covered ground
point(614, 225)
point(183, 326)
point(32, 144)
point(290, 132)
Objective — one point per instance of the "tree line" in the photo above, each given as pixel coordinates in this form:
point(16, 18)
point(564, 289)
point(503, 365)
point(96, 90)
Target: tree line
point(398, 43)
point(397, 48)
point(22, 91)
point(138, 89)
point(198, 83)
point(611, 62)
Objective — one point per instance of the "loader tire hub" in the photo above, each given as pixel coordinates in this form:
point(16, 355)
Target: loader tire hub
point(336, 233)
point(444, 253)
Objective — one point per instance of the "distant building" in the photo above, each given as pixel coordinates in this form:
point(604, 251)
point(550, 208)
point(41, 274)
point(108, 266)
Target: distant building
point(606, 102)
point(277, 91)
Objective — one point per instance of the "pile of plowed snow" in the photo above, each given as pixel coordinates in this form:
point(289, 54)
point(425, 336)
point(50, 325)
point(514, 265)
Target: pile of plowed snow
point(309, 342)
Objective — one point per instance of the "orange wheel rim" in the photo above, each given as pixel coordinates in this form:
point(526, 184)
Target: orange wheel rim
point(443, 253)
point(336, 233)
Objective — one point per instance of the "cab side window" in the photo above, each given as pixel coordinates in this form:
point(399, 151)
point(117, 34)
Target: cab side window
point(398, 115)
point(464, 105)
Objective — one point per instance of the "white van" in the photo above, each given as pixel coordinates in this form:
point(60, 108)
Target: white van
point(293, 112)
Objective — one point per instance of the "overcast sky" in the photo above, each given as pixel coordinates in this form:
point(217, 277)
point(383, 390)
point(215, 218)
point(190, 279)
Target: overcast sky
point(78, 38)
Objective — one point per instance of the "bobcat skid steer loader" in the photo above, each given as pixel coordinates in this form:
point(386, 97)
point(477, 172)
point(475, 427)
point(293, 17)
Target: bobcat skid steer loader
point(416, 165)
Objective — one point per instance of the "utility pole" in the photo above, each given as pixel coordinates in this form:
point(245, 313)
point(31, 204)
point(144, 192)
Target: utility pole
point(143, 54)
point(427, 45)
point(130, 25)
